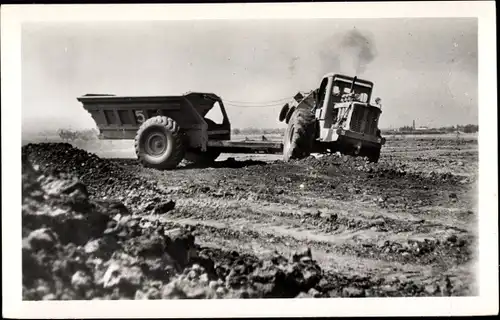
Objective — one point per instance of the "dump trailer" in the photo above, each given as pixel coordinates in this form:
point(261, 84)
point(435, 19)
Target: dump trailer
point(168, 129)
point(336, 117)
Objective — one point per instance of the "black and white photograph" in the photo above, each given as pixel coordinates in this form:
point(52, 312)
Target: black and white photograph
point(325, 155)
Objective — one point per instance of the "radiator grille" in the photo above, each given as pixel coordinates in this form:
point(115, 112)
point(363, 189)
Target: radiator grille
point(364, 120)
point(370, 125)
point(357, 118)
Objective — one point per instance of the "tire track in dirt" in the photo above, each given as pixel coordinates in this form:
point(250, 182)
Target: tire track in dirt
point(389, 232)
point(442, 249)
point(326, 215)
point(238, 236)
point(253, 187)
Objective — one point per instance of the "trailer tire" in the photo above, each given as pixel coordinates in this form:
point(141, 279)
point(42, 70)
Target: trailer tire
point(299, 135)
point(159, 143)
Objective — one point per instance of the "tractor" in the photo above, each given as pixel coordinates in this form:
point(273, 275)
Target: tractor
point(169, 129)
point(336, 117)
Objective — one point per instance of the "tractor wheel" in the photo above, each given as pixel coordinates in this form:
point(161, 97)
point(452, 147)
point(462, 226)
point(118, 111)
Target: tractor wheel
point(289, 114)
point(283, 112)
point(374, 156)
point(159, 143)
point(299, 135)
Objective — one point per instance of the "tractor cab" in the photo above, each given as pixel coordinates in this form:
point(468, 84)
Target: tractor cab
point(339, 88)
point(336, 117)
point(343, 103)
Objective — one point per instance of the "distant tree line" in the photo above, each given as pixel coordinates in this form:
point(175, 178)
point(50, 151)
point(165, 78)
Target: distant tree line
point(406, 128)
point(250, 131)
point(71, 135)
point(468, 128)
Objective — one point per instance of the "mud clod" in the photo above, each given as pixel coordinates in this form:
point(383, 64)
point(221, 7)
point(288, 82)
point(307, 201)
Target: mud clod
point(43, 238)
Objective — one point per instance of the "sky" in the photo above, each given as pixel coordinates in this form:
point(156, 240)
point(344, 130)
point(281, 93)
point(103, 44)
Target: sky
point(423, 69)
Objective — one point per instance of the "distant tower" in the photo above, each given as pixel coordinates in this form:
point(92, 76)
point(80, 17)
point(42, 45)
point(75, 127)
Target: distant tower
point(413, 124)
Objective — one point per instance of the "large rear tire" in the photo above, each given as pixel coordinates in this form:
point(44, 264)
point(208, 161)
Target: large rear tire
point(289, 114)
point(159, 143)
point(299, 135)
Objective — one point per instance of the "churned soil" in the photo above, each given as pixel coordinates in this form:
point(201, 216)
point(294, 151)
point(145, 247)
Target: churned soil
point(78, 247)
point(327, 226)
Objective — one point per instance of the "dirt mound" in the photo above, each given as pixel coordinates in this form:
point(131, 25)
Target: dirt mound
point(75, 247)
point(102, 177)
point(384, 169)
point(386, 184)
point(275, 277)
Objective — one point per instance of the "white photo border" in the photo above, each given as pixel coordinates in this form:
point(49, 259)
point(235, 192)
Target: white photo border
point(12, 17)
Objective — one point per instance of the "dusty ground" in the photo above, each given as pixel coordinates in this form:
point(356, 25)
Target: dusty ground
point(403, 227)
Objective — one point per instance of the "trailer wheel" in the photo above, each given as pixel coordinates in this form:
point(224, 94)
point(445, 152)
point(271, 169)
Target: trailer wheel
point(299, 135)
point(158, 143)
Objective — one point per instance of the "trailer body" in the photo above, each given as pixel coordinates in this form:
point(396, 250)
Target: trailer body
point(120, 117)
point(202, 140)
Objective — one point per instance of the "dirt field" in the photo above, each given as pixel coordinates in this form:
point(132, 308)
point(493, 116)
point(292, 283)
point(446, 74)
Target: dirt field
point(403, 227)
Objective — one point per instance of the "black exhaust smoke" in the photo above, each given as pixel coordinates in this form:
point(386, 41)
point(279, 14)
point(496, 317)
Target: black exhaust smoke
point(349, 52)
point(361, 47)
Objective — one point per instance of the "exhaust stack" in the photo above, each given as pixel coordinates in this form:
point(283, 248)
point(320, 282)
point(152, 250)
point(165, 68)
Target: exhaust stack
point(353, 82)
